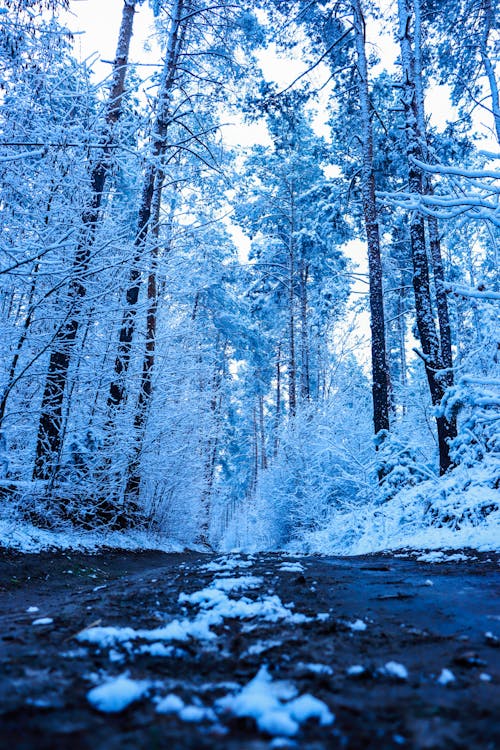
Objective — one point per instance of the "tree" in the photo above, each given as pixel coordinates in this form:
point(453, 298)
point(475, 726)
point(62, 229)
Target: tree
point(50, 426)
point(437, 371)
point(380, 369)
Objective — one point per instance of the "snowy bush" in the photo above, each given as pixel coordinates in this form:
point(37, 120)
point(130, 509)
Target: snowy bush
point(398, 464)
point(476, 402)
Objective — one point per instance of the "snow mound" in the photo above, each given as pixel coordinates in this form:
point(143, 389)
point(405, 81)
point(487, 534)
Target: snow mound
point(116, 694)
point(395, 669)
point(170, 704)
point(358, 625)
point(446, 677)
point(274, 705)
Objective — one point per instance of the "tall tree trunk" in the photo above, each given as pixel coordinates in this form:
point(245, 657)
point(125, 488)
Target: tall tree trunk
point(380, 367)
point(436, 257)
point(292, 360)
point(48, 443)
point(213, 442)
point(429, 339)
point(152, 183)
point(133, 482)
point(305, 385)
point(262, 433)
point(277, 413)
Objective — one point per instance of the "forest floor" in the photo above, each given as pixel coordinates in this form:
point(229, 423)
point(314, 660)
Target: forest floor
point(71, 623)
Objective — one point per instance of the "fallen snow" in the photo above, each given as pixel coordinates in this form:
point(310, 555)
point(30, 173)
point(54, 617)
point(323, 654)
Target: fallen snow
point(291, 567)
point(274, 705)
point(170, 704)
point(32, 610)
point(446, 677)
point(268, 607)
point(196, 714)
point(214, 606)
point(43, 621)
point(307, 707)
point(457, 511)
point(28, 538)
point(176, 630)
point(395, 669)
point(357, 625)
point(261, 646)
point(226, 563)
point(237, 584)
point(356, 670)
point(116, 694)
point(438, 556)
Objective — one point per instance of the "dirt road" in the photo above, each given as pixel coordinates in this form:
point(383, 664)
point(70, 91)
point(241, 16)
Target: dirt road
point(402, 653)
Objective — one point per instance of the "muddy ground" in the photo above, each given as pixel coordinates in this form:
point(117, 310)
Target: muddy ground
point(424, 616)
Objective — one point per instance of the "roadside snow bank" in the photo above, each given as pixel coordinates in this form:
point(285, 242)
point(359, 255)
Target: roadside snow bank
point(29, 539)
point(461, 510)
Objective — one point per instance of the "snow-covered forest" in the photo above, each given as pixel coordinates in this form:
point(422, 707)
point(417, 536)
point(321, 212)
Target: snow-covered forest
point(250, 282)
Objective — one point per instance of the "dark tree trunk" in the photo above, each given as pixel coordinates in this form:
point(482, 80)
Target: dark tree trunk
point(49, 436)
point(380, 367)
point(133, 483)
point(153, 180)
point(277, 414)
point(436, 371)
point(305, 385)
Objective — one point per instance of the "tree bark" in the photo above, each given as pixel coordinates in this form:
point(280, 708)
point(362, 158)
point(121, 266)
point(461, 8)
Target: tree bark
point(49, 442)
point(380, 367)
point(430, 341)
point(152, 182)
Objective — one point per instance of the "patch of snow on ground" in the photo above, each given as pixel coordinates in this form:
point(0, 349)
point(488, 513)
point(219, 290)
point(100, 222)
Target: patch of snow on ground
point(437, 557)
point(214, 606)
point(395, 669)
point(226, 563)
point(116, 694)
point(170, 704)
point(291, 567)
point(268, 607)
point(274, 705)
point(356, 670)
point(357, 625)
point(195, 714)
point(43, 621)
point(446, 677)
point(237, 584)
point(260, 647)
